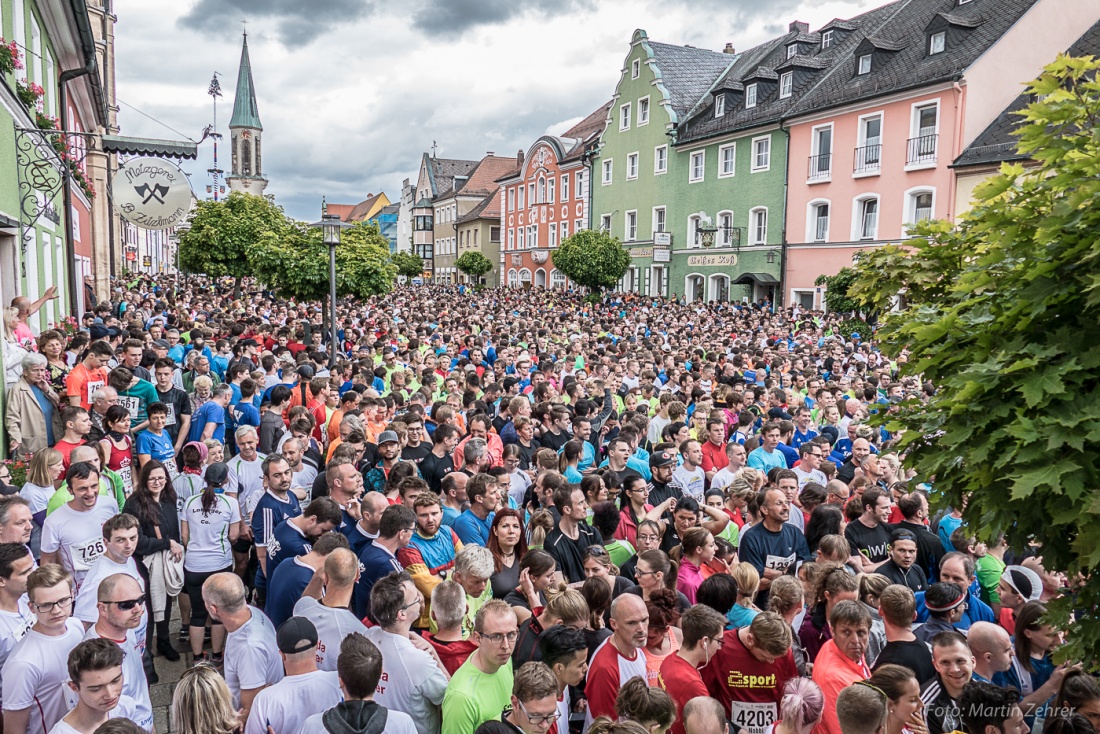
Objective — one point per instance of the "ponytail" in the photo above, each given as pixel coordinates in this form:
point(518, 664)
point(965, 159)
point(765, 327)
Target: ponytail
point(209, 496)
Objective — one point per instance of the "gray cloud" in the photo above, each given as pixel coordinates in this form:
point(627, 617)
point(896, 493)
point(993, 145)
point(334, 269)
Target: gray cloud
point(447, 17)
point(297, 22)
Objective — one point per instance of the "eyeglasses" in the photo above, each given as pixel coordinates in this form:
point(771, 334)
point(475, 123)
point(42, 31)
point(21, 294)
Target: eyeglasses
point(156, 480)
point(127, 604)
point(50, 606)
point(538, 719)
point(418, 600)
point(499, 638)
point(595, 550)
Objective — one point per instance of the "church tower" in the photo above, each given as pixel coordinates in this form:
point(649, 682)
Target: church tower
point(245, 133)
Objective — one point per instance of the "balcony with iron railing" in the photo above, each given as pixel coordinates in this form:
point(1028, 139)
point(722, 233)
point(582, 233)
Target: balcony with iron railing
point(868, 159)
point(922, 150)
point(821, 166)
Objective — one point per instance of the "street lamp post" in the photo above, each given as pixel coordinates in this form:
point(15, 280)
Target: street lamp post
point(330, 226)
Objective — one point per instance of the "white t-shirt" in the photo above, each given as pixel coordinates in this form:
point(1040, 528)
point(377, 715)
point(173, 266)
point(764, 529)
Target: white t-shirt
point(397, 722)
point(35, 675)
point(333, 625)
point(13, 627)
point(37, 496)
point(304, 479)
point(252, 656)
point(124, 709)
point(186, 486)
point(85, 609)
point(208, 546)
point(287, 704)
point(78, 536)
point(245, 478)
point(134, 683)
point(814, 475)
point(723, 478)
point(693, 482)
point(411, 681)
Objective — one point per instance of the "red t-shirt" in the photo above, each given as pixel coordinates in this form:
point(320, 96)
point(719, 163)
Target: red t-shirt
point(714, 457)
point(607, 673)
point(66, 450)
point(749, 689)
point(683, 682)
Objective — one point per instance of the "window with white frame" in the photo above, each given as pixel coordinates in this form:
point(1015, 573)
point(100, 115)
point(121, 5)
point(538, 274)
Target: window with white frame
point(605, 222)
point(918, 207)
point(819, 221)
point(624, 116)
point(511, 239)
point(519, 196)
point(551, 187)
point(565, 187)
point(541, 190)
point(552, 236)
point(758, 226)
point(937, 42)
point(786, 84)
point(558, 279)
point(564, 231)
point(698, 166)
point(720, 105)
point(608, 165)
point(631, 226)
point(643, 111)
point(863, 65)
point(660, 159)
point(658, 219)
point(727, 157)
point(632, 166)
point(826, 39)
point(750, 96)
point(925, 125)
point(694, 240)
point(580, 185)
point(635, 68)
point(761, 154)
point(533, 239)
point(866, 220)
point(869, 152)
point(579, 225)
point(511, 200)
point(725, 229)
point(531, 194)
point(821, 162)
point(792, 50)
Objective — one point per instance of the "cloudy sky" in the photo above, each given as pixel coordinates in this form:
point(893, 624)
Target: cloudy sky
point(352, 92)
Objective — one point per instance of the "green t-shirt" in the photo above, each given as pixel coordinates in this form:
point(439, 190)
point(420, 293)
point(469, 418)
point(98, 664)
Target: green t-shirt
point(989, 569)
point(620, 551)
point(109, 483)
point(474, 697)
point(137, 398)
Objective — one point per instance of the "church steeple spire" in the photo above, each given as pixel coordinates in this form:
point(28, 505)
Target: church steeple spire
point(245, 111)
point(246, 132)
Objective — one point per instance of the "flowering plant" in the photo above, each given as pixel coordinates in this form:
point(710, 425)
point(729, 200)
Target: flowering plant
point(29, 93)
point(67, 325)
point(18, 469)
point(46, 122)
point(10, 58)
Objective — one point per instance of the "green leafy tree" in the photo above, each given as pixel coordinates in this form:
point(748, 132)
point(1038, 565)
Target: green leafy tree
point(221, 233)
point(408, 264)
point(836, 291)
point(294, 263)
point(1002, 313)
point(593, 259)
point(474, 264)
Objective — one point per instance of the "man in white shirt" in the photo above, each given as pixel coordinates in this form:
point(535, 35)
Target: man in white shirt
point(413, 677)
point(121, 606)
point(98, 687)
point(36, 670)
point(303, 692)
point(810, 456)
point(252, 661)
point(690, 474)
point(16, 564)
point(73, 535)
point(735, 453)
point(330, 614)
point(246, 474)
point(120, 535)
point(360, 671)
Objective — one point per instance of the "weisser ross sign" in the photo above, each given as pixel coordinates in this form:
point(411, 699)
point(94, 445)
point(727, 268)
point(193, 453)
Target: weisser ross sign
point(151, 193)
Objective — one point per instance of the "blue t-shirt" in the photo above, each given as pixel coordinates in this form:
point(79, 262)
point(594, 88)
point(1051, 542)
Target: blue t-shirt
point(158, 447)
point(284, 590)
point(765, 462)
point(286, 542)
point(779, 550)
point(801, 438)
point(976, 611)
point(473, 530)
point(270, 512)
point(375, 562)
point(47, 412)
point(450, 514)
point(210, 412)
point(790, 454)
point(245, 414)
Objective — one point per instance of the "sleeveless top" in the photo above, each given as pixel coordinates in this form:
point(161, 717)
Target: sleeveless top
point(653, 660)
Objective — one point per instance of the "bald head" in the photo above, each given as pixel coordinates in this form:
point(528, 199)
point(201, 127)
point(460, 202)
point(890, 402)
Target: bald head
point(986, 636)
point(341, 569)
point(118, 586)
point(704, 715)
point(226, 590)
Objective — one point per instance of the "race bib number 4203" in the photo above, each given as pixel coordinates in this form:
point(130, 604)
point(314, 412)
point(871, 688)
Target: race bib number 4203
point(752, 718)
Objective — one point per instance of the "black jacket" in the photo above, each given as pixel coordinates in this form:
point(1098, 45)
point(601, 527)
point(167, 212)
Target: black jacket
point(148, 542)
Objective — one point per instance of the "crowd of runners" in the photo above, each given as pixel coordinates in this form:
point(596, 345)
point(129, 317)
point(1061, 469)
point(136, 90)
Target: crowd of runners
point(498, 511)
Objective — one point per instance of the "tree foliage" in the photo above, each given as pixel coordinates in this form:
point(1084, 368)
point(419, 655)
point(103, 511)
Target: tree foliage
point(408, 264)
point(1001, 313)
point(222, 231)
point(474, 264)
point(836, 291)
point(593, 259)
point(294, 263)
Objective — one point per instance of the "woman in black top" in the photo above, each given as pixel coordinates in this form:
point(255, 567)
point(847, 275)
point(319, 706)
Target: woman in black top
point(508, 543)
point(153, 503)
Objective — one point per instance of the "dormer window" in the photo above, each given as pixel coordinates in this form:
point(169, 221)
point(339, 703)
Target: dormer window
point(750, 96)
point(863, 65)
point(826, 39)
point(786, 84)
point(792, 50)
point(719, 105)
point(937, 42)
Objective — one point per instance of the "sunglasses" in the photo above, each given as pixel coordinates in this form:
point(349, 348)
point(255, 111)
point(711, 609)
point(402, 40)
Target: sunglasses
point(127, 604)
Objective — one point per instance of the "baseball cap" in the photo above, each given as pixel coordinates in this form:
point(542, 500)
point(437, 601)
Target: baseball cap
point(1024, 582)
point(387, 437)
point(217, 474)
point(162, 343)
point(296, 635)
point(662, 458)
point(943, 597)
point(98, 331)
